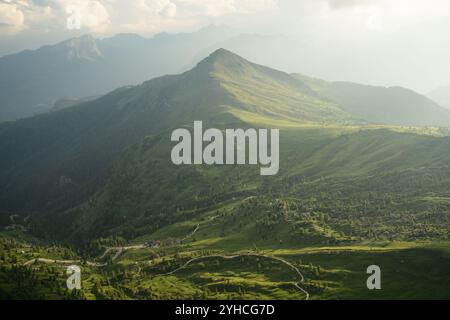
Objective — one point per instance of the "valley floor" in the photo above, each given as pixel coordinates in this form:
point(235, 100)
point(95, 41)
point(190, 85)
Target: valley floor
point(182, 271)
point(251, 247)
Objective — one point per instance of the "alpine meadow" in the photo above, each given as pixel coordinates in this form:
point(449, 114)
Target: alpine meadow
point(139, 186)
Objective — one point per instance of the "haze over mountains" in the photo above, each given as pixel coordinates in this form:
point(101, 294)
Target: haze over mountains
point(33, 82)
point(441, 95)
point(382, 105)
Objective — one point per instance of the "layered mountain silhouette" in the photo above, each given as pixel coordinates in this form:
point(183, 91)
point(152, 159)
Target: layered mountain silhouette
point(84, 138)
point(104, 165)
point(441, 95)
point(34, 82)
point(382, 105)
point(31, 81)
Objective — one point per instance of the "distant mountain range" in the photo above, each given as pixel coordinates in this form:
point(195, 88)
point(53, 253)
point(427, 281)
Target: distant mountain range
point(53, 77)
point(103, 166)
point(381, 105)
point(32, 81)
point(441, 95)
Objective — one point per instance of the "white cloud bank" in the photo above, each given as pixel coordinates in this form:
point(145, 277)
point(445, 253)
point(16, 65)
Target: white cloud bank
point(152, 16)
point(11, 17)
point(114, 16)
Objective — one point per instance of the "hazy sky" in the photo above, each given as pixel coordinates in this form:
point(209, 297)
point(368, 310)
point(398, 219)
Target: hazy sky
point(414, 32)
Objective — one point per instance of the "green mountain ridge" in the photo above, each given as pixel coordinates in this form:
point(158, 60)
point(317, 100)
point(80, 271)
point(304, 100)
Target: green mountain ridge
point(96, 178)
point(269, 92)
point(72, 165)
point(380, 105)
point(82, 140)
point(32, 80)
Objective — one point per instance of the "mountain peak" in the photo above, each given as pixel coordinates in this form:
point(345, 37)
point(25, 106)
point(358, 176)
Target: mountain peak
point(224, 61)
point(83, 48)
point(221, 54)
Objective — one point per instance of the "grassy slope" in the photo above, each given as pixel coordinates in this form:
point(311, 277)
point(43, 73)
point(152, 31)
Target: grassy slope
point(393, 105)
point(317, 162)
point(338, 185)
point(137, 194)
point(323, 160)
point(409, 271)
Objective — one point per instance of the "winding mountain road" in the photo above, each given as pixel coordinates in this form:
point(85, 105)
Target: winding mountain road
point(290, 265)
point(64, 262)
point(120, 250)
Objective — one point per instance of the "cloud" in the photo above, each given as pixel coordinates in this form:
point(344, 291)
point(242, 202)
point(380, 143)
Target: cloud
point(11, 17)
point(258, 5)
point(111, 16)
point(152, 16)
point(94, 16)
point(169, 10)
point(47, 15)
point(350, 17)
point(216, 8)
point(162, 8)
point(340, 4)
